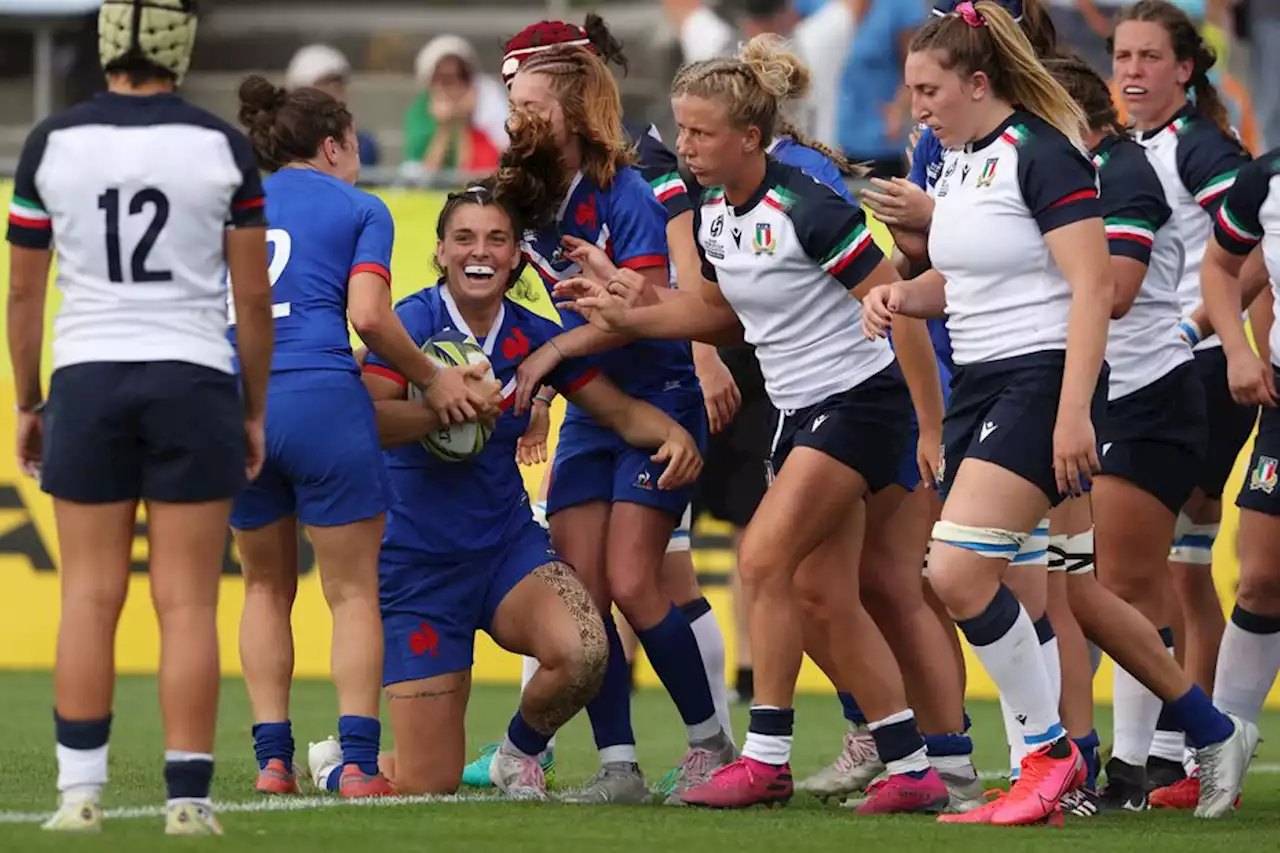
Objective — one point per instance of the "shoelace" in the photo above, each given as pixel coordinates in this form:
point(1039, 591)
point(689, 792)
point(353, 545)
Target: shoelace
point(1209, 759)
point(858, 748)
point(696, 767)
point(531, 775)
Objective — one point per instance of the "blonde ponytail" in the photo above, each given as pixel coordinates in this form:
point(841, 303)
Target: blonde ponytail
point(997, 46)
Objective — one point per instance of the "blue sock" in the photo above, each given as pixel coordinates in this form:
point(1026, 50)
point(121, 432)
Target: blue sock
point(673, 651)
point(897, 740)
point(188, 779)
point(273, 740)
point(939, 746)
point(1088, 746)
point(852, 712)
point(610, 711)
point(360, 738)
point(525, 738)
point(82, 734)
point(334, 781)
point(1204, 724)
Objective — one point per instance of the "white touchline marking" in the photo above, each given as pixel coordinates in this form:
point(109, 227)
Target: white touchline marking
point(298, 804)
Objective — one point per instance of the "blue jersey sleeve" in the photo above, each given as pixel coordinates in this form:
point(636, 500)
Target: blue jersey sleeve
point(569, 375)
point(1238, 224)
point(415, 315)
point(376, 237)
point(1133, 202)
point(926, 160)
point(1059, 186)
point(637, 223)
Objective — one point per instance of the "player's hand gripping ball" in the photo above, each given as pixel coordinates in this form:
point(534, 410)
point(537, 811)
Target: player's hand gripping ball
point(455, 442)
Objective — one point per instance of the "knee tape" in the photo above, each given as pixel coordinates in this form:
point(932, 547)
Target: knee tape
point(1193, 543)
point(983, 541)
point(680, 536)
point(1078, 553)
point(1058, 552)
point(1035, 550)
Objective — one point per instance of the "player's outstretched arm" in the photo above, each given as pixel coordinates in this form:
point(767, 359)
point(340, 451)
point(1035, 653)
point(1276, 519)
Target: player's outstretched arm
point(399, 420)
point(642, 425)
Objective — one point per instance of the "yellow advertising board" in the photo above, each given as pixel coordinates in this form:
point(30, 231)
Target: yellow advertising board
point(29, 604)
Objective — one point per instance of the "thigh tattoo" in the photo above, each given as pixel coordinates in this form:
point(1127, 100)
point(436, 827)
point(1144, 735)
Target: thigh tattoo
point(585, 679)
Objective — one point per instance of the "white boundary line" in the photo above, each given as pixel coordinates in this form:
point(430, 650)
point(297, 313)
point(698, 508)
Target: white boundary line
point(296, 804)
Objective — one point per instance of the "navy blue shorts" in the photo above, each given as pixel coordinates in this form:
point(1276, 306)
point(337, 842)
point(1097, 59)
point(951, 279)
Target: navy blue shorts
point(1259, 490)
point(1156, 436)
point(909, 470)
point(1004, 412)
point(164, 431)
point(1229, 423)
point(593, 463)
point(324, 464)
point(865, 428)
point(432, 607)
point(733, 474)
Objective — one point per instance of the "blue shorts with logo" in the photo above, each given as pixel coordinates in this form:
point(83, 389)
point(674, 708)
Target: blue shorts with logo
point(1260, 490)
point(909, 471)
point(324, 463)
point(433, 606)
point(594, 464)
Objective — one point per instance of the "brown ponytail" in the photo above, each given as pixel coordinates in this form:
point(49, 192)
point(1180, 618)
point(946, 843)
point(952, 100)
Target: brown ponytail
point(289, 126)
point(1087, 88)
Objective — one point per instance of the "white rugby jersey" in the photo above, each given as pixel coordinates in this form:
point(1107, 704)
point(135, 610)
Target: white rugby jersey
point(135, 195)
point(1250, 215)
point(786, 261)
point(1197, 163)
point(1144, 344)
point(994, 203)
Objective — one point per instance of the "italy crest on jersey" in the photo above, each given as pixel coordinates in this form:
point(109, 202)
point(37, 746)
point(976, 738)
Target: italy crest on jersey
point(988, 176)
point(1264, 477)
point(764, 242)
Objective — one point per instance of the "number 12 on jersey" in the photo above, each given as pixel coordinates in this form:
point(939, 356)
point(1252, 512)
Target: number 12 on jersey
point(280, 246)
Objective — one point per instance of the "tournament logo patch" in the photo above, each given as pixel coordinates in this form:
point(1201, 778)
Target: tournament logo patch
point(717, 226)
point(1264, 476)
point(764, 242)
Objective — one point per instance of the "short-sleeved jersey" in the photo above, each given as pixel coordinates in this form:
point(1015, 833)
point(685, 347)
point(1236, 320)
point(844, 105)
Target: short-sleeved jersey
point(926, 160)
point(1144, 344)
point(660, 168)
point(1198, 163)
point(995, 201)
point(627, 221)
point(323, 231)
point(450, 508)
point(1250, 215)
point(786, 261)
point(812, 162)
point(135, 195)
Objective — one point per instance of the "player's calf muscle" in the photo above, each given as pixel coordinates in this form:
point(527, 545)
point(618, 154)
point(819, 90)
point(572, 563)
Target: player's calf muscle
point(583, 665)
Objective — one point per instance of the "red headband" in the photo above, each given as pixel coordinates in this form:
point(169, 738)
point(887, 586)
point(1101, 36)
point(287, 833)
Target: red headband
point(971, 15)
point(537, 38)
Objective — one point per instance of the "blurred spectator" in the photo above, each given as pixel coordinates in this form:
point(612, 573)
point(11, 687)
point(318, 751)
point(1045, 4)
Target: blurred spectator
point(326, 68)
point(875, 109)
point(821, 40)
point(701, 32)
point(1263, 18)
point(1084, 27)
point(458, 122)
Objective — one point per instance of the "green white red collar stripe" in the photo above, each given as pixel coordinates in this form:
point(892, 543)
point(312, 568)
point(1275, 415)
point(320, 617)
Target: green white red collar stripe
point(848, 250)
point(1234, 228)
point(780, 198)
point(1215, 188)
point(1015, 135)
point(27, 214)
point(1131, 229)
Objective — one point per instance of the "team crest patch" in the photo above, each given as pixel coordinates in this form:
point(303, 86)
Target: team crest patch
point(988, 176)
point(1264, 476)
point(764, 244)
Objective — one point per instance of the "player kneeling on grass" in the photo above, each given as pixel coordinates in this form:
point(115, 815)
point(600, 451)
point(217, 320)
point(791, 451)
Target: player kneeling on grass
point(462, 551)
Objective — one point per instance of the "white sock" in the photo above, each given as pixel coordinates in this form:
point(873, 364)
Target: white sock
point(1016, 666)
point(1171, 746)
point(769, 749)
point(1053, 668)
point(528, 667)
point(1013, 734)
point(1247, 667)
point(1136, 710)
point(82, 772)
point(623, 753)
point(706, 630)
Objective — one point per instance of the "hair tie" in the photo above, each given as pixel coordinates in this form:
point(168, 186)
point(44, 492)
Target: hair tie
point(971, 15)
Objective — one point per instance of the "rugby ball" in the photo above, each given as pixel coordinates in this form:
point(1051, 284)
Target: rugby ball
point(455, 442)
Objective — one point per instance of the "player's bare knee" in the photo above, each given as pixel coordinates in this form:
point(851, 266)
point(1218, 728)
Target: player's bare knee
point(583, 658)
point(1259, 592)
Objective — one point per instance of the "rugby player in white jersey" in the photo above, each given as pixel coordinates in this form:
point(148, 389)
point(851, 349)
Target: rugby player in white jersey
point(1028, 317)
point(147, 201)
point(780, 254)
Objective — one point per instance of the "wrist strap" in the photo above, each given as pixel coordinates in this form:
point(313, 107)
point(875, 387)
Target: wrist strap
point(1190, 331)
